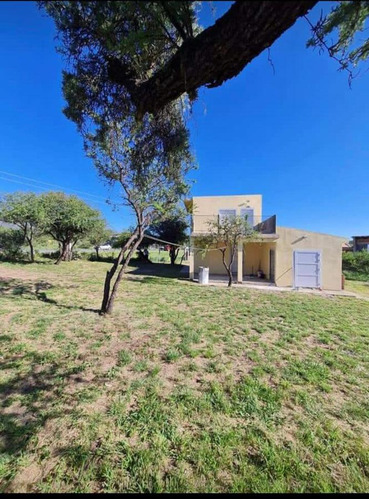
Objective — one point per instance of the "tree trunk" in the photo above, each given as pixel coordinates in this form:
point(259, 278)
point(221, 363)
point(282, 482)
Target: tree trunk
point(97, 253)
point(173, 252)
point(228, 267)
point(110, 304)
point(70, 251)
point(31, 250)
point(111, 272)
point(217, 54)
point(65, 252)
point(62, 252)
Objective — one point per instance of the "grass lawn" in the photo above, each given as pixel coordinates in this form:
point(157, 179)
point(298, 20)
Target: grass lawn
point(184, 389)
point(360, 287)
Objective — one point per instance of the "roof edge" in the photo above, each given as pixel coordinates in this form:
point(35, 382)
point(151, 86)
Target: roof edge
point(345, 238)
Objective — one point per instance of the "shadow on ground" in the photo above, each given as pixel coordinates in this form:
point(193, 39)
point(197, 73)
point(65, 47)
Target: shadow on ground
point(159, 270)
point(29, 290)
point(30, 399)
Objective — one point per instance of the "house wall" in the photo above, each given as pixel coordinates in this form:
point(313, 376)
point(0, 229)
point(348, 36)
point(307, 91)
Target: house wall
point(361, 243)
point(207, 207)
point(212, 259)
point(255, 256)
point(298, 239)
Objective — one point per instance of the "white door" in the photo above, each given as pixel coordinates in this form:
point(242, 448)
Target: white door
point(307, 268)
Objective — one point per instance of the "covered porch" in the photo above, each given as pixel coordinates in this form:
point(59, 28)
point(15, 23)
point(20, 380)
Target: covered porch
point(254, 263)
point(257, 261)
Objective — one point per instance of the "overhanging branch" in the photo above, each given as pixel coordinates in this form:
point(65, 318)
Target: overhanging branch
point(215, 55)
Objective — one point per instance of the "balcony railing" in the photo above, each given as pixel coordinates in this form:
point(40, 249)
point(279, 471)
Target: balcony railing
point(267, 225)
point(264, 225)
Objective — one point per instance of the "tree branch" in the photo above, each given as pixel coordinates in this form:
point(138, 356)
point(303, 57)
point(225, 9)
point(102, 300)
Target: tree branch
point(217, 54)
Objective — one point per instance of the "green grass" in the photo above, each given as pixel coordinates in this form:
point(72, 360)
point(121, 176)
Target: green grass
point(360, 287)
point(183, 389)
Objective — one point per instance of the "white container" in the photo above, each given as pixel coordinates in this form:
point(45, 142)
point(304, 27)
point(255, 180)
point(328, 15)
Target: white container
point(203, 275)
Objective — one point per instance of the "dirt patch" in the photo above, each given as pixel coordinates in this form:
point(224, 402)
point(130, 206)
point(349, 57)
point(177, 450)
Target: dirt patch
point(22, 274)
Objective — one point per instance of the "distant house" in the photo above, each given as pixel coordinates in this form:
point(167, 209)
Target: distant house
point(346, 247)
point(285, 256)
point(360, 243)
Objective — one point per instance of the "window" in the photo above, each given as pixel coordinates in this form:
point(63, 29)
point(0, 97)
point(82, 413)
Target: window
point(222, 214)
point(249, 212)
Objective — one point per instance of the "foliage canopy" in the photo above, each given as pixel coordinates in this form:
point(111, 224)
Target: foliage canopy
point(25, 210)
point(67, 219)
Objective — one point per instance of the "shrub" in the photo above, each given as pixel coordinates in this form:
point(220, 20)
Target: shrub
point(355, 265)
point(11, 241)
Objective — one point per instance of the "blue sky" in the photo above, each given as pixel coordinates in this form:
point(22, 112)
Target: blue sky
point(298, 136)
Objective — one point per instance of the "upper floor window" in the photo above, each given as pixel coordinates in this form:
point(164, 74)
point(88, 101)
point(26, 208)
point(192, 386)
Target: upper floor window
point(222, 214)
point(249, 212)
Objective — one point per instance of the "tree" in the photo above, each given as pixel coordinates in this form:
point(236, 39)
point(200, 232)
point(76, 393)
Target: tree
point(25, 210)
point(11, 241)
point(149, 161)
point(99, 235)
point(336, 34)
point(119, 240)
point(141, 56)
point(173, 229)
point(67, 219)
point(147, 158)
point(215, 55)
point(145, 55)
point(224, 234)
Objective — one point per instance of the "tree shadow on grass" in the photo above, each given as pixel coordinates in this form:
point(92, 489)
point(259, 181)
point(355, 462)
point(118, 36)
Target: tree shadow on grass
point(28, 290)
point(157, 270)
point(30, 399)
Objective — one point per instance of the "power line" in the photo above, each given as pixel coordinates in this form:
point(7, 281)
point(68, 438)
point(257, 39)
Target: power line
point(45, 189)
point(50, 184)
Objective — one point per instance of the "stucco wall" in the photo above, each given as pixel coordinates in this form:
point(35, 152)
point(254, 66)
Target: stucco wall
point(256, 255)
point(298, 239)
point(212, 260)
point(207, 207)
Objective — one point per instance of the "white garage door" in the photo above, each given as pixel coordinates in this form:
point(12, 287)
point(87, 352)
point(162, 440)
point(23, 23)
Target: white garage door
point(307, 270)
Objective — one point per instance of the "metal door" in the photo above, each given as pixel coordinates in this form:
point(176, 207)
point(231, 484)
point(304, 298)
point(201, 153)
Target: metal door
point(307, 268)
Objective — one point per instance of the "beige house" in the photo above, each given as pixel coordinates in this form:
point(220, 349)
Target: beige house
point(282, 256)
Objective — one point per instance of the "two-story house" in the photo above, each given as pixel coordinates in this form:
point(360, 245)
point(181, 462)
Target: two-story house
point(285, 256)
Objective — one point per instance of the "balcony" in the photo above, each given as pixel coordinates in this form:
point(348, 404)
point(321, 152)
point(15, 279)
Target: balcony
point(265, 225)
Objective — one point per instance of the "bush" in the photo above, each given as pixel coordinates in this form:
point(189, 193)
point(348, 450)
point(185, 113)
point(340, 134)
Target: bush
point(355, 265)
point(11, 242)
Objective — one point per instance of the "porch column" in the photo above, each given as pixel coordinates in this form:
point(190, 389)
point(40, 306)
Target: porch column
point(240, 262)
point(192, 260)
